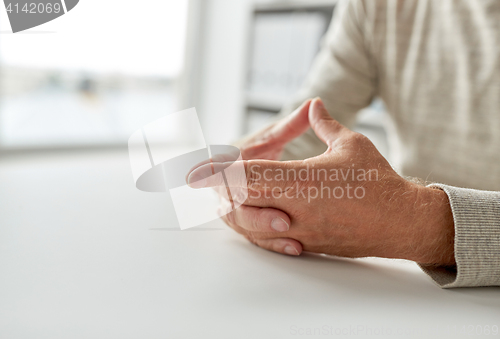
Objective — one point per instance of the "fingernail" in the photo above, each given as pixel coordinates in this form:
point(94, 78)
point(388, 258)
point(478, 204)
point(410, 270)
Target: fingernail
point(290, 250)
point(194, 182)
point(280, 225)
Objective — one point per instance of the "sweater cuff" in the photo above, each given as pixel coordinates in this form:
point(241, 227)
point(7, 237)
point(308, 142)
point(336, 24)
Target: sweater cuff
point(476, 215)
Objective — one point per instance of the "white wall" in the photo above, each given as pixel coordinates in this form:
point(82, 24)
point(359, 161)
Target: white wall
point(224, 43)
point(223, 55)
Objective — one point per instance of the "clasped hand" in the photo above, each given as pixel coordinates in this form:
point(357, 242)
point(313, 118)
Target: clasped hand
point(346, 202)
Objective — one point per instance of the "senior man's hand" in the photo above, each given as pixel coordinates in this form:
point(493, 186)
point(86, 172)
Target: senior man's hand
point(347, 202)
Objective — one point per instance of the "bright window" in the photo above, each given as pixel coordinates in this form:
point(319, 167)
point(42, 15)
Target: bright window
point(91, 76)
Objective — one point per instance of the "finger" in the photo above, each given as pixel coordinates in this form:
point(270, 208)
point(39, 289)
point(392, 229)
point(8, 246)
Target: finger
point(285, 130)
point(251, 174)
point(257, 219)
point(228, 155)
point(280, 245)
point(293, 125)
point(253, 219)
point(210, 174)
point(325, 127)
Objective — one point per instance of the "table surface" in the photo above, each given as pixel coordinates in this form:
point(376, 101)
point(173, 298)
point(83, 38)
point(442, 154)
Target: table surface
point(83, 254)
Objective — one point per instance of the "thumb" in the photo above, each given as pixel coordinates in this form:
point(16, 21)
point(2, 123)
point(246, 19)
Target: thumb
point(325, 127)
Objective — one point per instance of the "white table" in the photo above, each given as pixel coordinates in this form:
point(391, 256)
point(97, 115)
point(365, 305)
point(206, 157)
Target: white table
point(80, 258)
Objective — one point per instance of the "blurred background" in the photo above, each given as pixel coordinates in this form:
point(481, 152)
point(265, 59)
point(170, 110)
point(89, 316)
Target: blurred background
point(92, 84)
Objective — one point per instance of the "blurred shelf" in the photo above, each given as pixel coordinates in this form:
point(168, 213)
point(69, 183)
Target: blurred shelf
point(285, 38)
point(294, 5)
point(268, 103)
point(257, 119)
point(371, 117)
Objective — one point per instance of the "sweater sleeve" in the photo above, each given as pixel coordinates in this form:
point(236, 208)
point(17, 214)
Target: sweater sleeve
point(343, 75)
point(476, 216)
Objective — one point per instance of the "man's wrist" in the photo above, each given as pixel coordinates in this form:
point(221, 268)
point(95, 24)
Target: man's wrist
point(434, 228)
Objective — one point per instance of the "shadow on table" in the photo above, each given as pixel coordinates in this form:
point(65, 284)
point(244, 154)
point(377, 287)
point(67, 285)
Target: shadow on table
point(373, 278)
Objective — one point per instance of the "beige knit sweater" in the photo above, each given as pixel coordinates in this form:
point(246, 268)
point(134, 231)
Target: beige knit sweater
point(436, 65)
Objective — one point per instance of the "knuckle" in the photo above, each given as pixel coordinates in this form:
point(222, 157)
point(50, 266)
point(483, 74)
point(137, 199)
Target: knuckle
point(231, 218)
point(299, 186)
point(358, 138)
point(255, 222)
point(252, 178)
point(248, 218)
point(239, 196)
